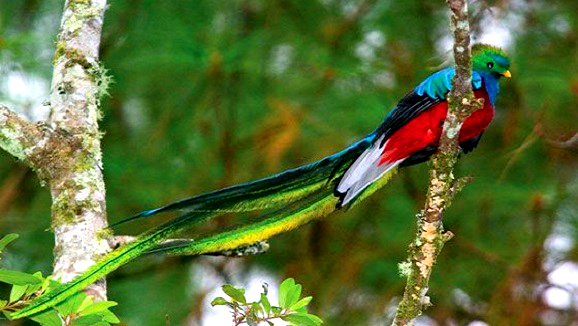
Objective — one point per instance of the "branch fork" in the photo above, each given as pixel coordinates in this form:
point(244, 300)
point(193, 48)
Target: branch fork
point(65, 152)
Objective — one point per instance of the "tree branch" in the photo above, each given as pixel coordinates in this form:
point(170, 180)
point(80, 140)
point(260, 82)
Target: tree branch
point(65, 151)
point(18, 136)
point(430, 237)
point(76, 183)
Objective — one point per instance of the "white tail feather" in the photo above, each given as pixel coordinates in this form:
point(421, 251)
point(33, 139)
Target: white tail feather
point(364, 171)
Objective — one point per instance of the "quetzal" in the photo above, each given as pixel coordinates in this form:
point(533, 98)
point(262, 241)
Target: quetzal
point(408, 135)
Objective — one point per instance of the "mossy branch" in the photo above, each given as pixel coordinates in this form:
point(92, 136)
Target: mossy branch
point(430, 237)
point(65, 150)
point(18, 136)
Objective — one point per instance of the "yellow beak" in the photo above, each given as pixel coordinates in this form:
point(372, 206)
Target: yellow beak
point(507, 74)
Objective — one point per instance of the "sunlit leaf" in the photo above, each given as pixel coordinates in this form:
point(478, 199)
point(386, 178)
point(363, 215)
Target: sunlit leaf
point(301, 303)
point(276, 310)
point(285, 289)
point(256, 308)
point(48, 318)
point(293, 295)
point(32, 288)
point(17, 292)
point(71, 305)
point(235, 293)
point(109, 316)
point(303, 319)
point(97, 307)
point(265, 303)
point(219, 301)
point(18, 278)
point(88, 300)
point(89, 320)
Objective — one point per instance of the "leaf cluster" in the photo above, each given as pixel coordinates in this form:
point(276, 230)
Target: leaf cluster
point(292, 308)
point(78, 310)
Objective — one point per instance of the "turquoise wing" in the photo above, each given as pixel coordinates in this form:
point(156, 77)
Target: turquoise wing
point(439, 84)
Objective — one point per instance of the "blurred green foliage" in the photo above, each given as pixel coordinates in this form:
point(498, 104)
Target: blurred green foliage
point(213, 93)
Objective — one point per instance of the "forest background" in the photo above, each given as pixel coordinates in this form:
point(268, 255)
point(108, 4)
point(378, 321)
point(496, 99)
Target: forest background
point(208, 94)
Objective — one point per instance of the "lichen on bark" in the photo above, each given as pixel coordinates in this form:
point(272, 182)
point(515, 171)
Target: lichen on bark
point(79, 209)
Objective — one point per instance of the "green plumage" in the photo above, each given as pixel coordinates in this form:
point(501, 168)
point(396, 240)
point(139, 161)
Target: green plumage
point(294, 197)
point(482, 54)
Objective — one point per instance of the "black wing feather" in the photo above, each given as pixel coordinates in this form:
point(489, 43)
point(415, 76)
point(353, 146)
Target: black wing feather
point(407, 109)
point(469, 145)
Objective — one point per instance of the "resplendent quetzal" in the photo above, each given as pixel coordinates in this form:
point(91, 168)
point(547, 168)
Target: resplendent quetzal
point(408, 135)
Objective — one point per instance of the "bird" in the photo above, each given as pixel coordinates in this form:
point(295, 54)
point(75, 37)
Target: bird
point(408, 135)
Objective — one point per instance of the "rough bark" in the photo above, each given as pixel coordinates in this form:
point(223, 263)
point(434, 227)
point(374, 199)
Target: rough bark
point(442, 187)
point(77, 186)
point(19, 137)
point(65, 150)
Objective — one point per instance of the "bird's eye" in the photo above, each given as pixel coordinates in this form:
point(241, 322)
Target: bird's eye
point(490, 65)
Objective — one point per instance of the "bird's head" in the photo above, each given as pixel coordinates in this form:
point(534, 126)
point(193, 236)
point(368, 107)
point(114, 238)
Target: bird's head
point(489, 59)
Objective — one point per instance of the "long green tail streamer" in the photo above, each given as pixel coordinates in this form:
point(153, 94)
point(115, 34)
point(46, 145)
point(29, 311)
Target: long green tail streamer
point(315, 205)
point(111, 262)
point(270, 225)
point(269, 192)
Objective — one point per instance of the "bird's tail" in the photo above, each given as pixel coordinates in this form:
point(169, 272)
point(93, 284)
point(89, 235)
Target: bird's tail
point(292, 198)
point(311, 207)
point(269, 192)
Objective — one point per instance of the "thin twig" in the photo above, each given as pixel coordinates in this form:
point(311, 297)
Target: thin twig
point(430, 238)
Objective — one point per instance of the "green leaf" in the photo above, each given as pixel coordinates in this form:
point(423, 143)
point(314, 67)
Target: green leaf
point(219, 301)
point(301, 303)
point(17, 292)
point(96, 308)
point(317, 320)
point(109, 316)
point(293, 295)
point(256, 308)
point(48, 318)
point(71, 305)
point(7, 239)
point(284, 289)
point(49, 284)
point(252, 316)
point(303, 319)
point(90, 320)
point(300, 310)
point(235, 293)
point(17, 278)
point(276, 310)
point(265, 303)
point(88, 300)
point(32, 288)
point(3, 303)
